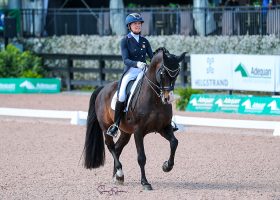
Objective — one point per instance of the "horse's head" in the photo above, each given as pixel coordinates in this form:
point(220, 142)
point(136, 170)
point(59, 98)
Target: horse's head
point(166, 73)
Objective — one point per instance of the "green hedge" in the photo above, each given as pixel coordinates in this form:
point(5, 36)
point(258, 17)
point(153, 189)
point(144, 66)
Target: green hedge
point(184, 96)
point(14, 64)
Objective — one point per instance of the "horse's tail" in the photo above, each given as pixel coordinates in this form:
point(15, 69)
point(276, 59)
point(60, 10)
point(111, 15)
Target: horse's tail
point(94, 151)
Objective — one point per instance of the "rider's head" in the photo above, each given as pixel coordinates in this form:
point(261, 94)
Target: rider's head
point(134, 22)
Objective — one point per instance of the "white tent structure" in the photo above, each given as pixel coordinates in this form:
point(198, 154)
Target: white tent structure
point(117, 17)
point(203, 19)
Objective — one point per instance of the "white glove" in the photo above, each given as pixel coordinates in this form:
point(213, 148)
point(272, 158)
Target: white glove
point(141, 65)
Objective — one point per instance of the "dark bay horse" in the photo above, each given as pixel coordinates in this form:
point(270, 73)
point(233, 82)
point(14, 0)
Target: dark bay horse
point(151, 112)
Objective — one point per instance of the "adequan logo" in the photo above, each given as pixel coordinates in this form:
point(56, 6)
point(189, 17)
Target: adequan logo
point(28, 85)
point(39, 86)
point(255, 72)
point(241, 68)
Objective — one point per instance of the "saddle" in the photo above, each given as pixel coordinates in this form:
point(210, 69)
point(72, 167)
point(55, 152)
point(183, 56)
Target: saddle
point(131, 89)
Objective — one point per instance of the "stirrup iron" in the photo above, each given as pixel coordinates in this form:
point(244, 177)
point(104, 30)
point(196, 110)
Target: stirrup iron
point(112, 127)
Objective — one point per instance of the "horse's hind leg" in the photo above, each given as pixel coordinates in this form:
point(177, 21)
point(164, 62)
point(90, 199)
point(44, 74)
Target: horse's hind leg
point(119, 178)
point(120, 144)
point(168, 134)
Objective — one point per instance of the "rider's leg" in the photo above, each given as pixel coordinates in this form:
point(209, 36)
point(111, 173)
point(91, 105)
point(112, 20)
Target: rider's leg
point(174, 126)
point(117, 118)
point(130, 75)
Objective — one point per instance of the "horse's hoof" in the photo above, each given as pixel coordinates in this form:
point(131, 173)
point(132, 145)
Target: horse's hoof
point(147, 187)
point(119, 180)
point(119, 177)
point(166, 167)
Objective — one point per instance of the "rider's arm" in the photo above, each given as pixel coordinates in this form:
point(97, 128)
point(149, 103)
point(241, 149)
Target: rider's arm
point(149, 50)
point(125, 54)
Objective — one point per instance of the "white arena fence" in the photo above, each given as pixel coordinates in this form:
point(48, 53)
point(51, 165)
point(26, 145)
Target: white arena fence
point(80, 117)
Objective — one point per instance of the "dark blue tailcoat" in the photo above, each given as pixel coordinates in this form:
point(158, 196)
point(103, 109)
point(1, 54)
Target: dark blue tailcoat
point(133, 51)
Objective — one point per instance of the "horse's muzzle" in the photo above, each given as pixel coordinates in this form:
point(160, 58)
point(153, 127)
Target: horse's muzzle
point(167, 97)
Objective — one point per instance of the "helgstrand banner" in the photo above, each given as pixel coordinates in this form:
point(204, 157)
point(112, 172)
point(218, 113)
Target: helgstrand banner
point(234, 104)
point(235, 72)
point(30, 85)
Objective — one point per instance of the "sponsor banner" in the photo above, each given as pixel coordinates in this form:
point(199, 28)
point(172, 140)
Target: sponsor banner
point(253, 105)
point(277, 75)
point(260, 105)
point(254, 72)
point(235, 72)
point(234, 104)
point(30, 85)
point(273, 106)
point(204, 103)
point(211, 71)
point(227, 103)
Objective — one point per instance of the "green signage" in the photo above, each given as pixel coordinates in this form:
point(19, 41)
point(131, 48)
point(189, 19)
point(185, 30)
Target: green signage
point(234, 104)
point(227, 103)
point(203, 103)
point(253, 105)
point(29, 85)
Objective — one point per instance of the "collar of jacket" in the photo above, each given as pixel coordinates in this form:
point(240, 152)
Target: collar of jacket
point(129, 36)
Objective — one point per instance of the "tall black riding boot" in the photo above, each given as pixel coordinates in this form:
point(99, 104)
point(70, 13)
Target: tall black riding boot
point(174, 126)
point(118, 115)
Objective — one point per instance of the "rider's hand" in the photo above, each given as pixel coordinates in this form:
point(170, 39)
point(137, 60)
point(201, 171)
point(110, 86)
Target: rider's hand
point(141, 65)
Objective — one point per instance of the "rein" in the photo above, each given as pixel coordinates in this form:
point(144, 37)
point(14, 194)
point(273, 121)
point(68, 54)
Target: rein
point(152, 85)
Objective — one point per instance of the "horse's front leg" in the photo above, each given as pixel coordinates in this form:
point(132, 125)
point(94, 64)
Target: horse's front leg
point(141, 157)
point(168, 134)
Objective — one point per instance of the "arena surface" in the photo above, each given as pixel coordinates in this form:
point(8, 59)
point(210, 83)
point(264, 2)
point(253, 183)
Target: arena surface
point(39, 159)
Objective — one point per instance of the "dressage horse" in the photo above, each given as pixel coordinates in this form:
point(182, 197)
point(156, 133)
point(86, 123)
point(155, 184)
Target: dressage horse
point(151, 112)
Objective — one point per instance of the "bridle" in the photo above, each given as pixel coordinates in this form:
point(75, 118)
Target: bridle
point(158, 87)
point(171, 73)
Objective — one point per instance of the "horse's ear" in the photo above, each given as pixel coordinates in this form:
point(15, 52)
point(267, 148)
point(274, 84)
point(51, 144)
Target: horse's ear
point(181, 57)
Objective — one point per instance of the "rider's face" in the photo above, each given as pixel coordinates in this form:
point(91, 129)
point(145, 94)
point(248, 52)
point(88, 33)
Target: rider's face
point(136, 27)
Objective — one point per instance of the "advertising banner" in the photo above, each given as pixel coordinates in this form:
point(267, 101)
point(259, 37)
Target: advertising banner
point(235, 72)
point(254, 72)
point(203, 103)
point(277, 75)
point(30, 85)
point(211, 71)
point(234, 104)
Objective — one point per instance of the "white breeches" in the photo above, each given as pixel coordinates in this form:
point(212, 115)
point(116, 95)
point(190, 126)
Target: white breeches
point(131, 74)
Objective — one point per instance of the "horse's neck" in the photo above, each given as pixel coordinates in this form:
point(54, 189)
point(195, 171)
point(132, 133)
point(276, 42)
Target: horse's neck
point(150, 87)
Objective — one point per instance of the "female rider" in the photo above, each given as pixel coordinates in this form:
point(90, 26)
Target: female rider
point(134, 48)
